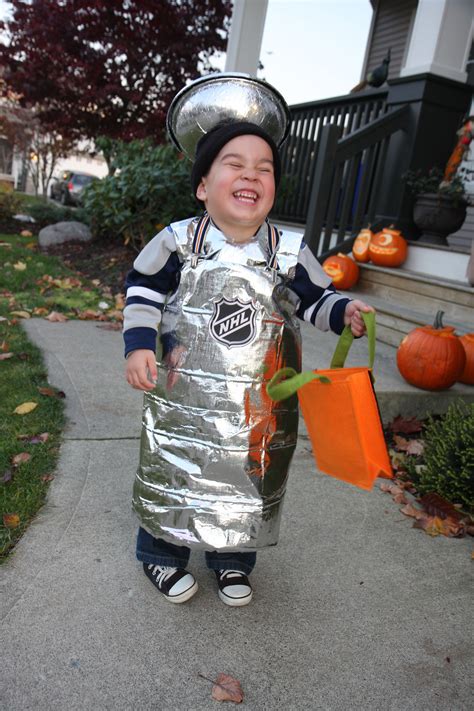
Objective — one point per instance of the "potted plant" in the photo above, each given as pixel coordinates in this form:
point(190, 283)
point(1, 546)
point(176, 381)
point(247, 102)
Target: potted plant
point(440, 206)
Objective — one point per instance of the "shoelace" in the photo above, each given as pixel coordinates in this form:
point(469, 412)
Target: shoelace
point(163, 574)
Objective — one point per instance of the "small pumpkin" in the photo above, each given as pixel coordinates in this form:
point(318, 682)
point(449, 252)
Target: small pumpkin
point(360, 248)
point(344, 272)
point(388, 248)
point(467, 375)
point(431, 357)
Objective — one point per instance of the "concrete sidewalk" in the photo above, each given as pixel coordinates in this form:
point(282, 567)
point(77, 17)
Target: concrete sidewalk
point(354, 609)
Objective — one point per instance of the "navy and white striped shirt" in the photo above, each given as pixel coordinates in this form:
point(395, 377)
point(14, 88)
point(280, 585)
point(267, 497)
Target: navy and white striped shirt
point(156, 275)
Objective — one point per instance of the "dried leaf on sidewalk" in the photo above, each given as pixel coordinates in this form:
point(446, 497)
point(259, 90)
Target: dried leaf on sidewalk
point(55, 316)
point(25, 408)
point(410, 510)
point(405, 425)
point(110, 326)
point(226, 688)
point(436, 505)
point(432, 525)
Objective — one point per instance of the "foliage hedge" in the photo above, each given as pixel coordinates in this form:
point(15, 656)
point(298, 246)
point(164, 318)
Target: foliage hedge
point(448, 467)
point(149, 188)
point(46, 213)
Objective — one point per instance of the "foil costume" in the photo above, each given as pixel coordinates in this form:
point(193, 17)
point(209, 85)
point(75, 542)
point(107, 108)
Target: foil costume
point(215, 450)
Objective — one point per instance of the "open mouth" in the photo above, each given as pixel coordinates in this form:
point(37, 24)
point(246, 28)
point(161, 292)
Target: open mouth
point(248, 197)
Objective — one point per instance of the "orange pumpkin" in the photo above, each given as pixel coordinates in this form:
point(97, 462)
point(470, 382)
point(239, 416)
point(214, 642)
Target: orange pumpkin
point(431, 357)
point(360, 248)
point(388, 248)
point(467, 375)
point(343, 271)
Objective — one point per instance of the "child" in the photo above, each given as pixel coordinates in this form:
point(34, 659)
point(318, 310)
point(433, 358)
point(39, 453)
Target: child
point(227, 288)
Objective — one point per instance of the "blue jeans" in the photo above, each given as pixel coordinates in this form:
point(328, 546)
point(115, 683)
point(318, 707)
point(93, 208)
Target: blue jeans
point(159, 552)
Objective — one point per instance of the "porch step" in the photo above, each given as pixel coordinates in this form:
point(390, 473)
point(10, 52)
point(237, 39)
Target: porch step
point(405, 300)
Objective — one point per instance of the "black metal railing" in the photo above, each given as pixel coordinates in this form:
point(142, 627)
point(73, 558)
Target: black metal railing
point(349, 113)
point(344, 186)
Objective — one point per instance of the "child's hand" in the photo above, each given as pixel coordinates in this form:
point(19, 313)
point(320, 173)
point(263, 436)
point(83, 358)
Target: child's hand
point(174, 359)
point(140, 364)
point(353, 318)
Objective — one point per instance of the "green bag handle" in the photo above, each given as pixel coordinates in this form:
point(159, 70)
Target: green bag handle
point(346, 339)
point(287, 381)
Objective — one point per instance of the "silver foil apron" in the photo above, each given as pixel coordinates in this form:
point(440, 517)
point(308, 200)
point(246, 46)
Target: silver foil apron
point(215, 450)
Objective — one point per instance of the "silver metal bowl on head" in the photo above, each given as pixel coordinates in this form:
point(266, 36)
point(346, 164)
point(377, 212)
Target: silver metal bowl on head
point(220, 98)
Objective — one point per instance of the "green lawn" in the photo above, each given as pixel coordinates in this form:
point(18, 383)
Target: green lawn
point(31, 284)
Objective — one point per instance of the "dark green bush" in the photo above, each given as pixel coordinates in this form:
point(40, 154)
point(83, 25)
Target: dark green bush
point(10, 204)
point(449, 456)
point(47, 213)
point(150, 188)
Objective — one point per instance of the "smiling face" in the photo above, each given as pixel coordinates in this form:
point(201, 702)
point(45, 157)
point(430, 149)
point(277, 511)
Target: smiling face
point(239, 189)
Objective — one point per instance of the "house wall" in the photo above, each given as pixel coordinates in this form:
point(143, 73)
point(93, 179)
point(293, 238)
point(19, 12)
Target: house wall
point(392, 23)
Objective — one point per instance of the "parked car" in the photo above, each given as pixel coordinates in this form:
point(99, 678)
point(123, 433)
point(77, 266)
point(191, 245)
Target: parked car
point(68, 189)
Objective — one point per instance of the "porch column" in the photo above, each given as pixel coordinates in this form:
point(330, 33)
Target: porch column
point(245, 36)
point(441, 39)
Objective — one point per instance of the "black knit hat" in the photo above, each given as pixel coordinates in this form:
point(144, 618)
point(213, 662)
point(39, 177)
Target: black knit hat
point(211, 143)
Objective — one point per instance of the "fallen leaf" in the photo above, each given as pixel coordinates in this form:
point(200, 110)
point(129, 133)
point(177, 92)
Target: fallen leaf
point(40, 311)
point(103, 305)
point(5, 244)
point(110, 326)
point(11, 520)
point(50, 392)
point(432, 525)
point(400, 443)
point(47, 477)
point(115, 314)
point(88, 315)
point(226, 688)
point(406, 425)
point(56, 316)
point(34, 439)
point(410, 510)
point(20, 314)
point(399, 498)
point(6, 356)
point(19, 266)
point(416, 447)
point(26, 233)
point(119, 301)
point(6, 476)
point(21, 458)
point(96, 282)
point(436, 505)
point(25, 408)
point(4, 347)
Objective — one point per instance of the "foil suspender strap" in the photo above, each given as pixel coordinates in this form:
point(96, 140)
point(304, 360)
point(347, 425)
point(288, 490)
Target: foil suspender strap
point(200, 238)
point(273, 245)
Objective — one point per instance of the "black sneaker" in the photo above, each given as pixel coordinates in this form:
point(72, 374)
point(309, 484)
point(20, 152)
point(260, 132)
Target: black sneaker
point(234, 587)
point(176, 584)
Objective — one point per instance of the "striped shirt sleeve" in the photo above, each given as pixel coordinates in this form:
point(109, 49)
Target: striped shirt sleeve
point(154, 276)
point(320, 303)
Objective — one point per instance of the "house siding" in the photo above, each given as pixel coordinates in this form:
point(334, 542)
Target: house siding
point(391, 29)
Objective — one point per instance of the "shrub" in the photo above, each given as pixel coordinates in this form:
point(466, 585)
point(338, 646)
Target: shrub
point(150, 188)
point(45, 213)
point(449, 456)
point(10, 204)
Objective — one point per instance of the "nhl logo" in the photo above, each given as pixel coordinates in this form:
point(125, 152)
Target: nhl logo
point(233, 322)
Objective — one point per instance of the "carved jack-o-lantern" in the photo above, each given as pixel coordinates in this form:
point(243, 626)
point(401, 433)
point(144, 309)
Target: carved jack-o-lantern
point(360, 248)
point(388, 248)
point(343, 271)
